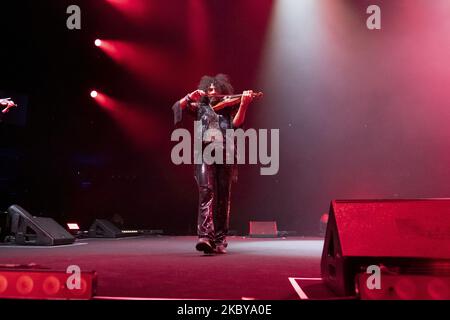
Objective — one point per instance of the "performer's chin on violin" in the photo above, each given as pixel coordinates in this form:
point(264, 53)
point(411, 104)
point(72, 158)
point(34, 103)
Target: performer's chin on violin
point(216, 107)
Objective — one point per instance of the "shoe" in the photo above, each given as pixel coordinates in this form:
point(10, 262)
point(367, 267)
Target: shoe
point(205, 246)
point(220, 249)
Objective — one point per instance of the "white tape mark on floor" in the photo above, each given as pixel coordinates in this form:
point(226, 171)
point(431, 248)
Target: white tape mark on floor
point(298, 289)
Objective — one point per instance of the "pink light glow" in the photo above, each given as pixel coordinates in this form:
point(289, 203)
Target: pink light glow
point(155, 66)
point(199, 32)
point(137, 10)
point(142, 127)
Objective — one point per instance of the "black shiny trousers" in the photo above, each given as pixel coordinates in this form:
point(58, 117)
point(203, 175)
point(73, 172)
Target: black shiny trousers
point(214, 188)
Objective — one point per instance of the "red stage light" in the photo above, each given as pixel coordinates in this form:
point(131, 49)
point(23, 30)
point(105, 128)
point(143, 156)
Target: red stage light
point(83, 288)
point(38, 284)
point(405, 287)
point(24, 285)
point(94, 94)
point(98, 42)
point(51, 286)
point(438, 289)
point(3, 284)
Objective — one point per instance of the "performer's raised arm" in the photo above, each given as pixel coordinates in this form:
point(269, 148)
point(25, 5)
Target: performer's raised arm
point(189, 101)
point(193, 97)
point(239, 118)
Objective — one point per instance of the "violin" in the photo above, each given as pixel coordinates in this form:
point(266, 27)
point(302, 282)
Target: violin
point(231, 100)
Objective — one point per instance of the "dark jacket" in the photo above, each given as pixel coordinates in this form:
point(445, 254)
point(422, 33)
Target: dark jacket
point(221, 120)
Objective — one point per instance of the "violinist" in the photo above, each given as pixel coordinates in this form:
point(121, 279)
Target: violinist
point(215, 106)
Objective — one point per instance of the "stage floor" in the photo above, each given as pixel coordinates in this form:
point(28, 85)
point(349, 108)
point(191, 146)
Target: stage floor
point(169, 267)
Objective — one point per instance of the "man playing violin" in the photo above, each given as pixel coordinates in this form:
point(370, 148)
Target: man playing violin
point(214, 180)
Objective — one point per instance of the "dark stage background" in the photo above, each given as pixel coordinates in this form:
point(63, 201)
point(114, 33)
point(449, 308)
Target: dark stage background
point(362, 114)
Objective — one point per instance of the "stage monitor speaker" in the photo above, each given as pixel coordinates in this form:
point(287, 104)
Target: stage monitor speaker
point(25, 229)
point(263, 229)
point(412, 236)
point(102, 228)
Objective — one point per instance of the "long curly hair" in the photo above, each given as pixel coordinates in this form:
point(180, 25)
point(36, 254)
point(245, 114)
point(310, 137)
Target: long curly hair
point(220, 81)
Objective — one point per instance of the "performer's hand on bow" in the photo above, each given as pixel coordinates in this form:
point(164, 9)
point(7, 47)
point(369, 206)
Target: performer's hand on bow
point(196, 95)
point(247, 97)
